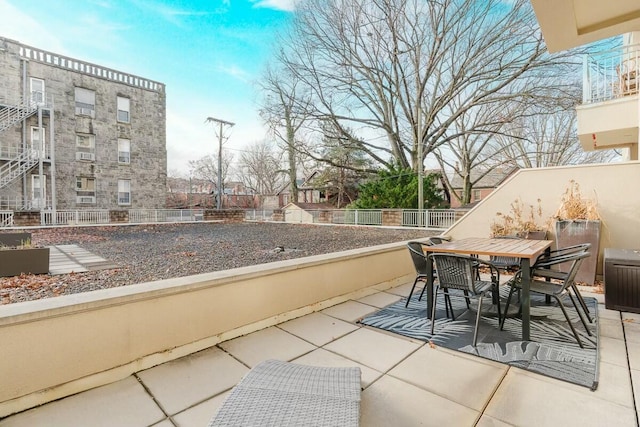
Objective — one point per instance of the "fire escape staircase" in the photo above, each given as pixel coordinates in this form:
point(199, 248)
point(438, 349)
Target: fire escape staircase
point(11, 115)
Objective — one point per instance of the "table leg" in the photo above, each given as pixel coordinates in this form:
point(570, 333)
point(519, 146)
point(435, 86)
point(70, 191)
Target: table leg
point(524, 298)
point(429, 286)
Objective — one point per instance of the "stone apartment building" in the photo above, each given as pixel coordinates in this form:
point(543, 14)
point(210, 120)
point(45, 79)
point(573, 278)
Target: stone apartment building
point(76, 135)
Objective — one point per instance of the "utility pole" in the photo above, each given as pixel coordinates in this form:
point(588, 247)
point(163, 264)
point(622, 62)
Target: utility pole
point(220, 137)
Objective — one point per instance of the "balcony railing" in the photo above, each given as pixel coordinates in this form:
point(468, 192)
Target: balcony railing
point(611, 74)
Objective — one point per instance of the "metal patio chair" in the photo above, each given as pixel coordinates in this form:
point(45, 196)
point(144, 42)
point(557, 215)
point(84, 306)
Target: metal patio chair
point(556, 291)
point(506, 263)
point(459, 272)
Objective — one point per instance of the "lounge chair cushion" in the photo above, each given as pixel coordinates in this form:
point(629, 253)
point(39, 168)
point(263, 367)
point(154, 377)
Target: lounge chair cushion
point(276, 393)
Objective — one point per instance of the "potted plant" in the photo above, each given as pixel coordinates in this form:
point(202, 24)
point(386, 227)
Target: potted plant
point(578, 221)
point(23, 258)
point(521, 221)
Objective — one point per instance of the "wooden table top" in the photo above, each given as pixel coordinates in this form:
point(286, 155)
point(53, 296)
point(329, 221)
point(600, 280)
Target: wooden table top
point(517, 248)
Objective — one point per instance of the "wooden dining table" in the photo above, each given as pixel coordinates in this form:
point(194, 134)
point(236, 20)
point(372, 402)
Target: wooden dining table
point(527, 250)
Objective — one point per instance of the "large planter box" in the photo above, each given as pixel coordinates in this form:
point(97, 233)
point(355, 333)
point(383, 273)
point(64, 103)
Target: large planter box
point(14, 239)
point(14, 262)
point(574, 232)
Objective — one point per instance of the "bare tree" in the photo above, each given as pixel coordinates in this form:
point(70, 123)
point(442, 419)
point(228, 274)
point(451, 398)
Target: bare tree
point(402, 72)
point(260, 168)
point(284, 110)
point(546, 139)
point(206, 168)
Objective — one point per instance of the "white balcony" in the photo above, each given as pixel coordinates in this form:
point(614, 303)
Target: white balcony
point(610, 116)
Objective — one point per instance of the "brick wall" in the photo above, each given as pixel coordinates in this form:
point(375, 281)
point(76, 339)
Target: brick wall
point(230, 215)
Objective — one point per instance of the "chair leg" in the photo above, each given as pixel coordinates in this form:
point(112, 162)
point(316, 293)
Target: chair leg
point(506, 309)
point(584, 323)
point(496, 293)
point(415, 282)
point(566, 315)
point(447, 304)
point(475, 331)
point(582, 303)
point(433, 309)
point(466, 295)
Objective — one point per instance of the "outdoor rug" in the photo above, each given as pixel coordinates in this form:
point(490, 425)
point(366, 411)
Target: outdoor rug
point(552, 351)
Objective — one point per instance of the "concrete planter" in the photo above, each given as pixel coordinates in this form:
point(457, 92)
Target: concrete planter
point(14, 262)
point(534, 235)
point(14, 239)
point(573, 232)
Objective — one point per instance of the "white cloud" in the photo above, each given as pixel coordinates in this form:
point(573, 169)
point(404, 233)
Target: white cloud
point(286, 5)
point(21, 27)
point(236, 72)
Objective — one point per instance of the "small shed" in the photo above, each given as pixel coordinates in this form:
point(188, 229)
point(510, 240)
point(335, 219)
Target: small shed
point(304, 212)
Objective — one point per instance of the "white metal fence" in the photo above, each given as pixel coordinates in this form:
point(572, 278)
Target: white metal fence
point(431, 218)
point(79, 217)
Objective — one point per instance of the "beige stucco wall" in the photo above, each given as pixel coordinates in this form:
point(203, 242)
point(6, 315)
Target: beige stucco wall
point(615, 187)
point(56, 347)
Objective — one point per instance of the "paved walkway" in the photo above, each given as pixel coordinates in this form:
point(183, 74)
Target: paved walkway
point(64, 259)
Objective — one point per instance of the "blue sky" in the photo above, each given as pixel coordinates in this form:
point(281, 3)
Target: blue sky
point(208, 53)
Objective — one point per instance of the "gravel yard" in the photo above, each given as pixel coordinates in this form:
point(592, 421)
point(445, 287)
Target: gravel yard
point(145, 253)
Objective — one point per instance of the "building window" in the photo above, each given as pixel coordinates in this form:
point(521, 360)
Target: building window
point(85, 147)
point(85, 102)
point(37, 90)
point(124, 151)
point(38, 191)
point(85, 190)
point(124, 192)
point(477, 195)
point(35, 141)
point(123, 109)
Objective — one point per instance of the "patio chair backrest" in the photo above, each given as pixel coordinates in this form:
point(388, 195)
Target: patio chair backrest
point(418, 257)
point(455, 271)
point(575, 261)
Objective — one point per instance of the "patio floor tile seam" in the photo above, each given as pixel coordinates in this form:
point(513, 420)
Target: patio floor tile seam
point(626, 347)
point(148, 391)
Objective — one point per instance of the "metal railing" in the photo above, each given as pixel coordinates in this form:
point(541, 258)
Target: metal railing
point(432, 218)
point(6, 219)
point(78, 217)
point(611, 74)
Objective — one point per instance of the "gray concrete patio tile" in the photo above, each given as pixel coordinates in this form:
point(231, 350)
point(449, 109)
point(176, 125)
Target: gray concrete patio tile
point(322, 357)
point(269, 343)
point(487, 421)
point(184, 382)
point(380, 299)
point(613, 351)
point(525, 400)
point(123, 403)
point(392, 402)
point(450, 376)
point(635, 381)
point(374, 349)
point(604, 313)
point(631, 332)
point(349, 311)
point(614, 384)
point(318, 328)
point(164, 423)
point(633, 349)
point(611, 328)
point(588, 292)
point(201, 414)
point(634, 317)
point(403, 290)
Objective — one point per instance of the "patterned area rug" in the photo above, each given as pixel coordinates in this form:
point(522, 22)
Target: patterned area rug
point(552, 351)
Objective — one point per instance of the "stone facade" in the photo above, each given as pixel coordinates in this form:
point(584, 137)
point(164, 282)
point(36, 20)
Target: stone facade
point(97, 166)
